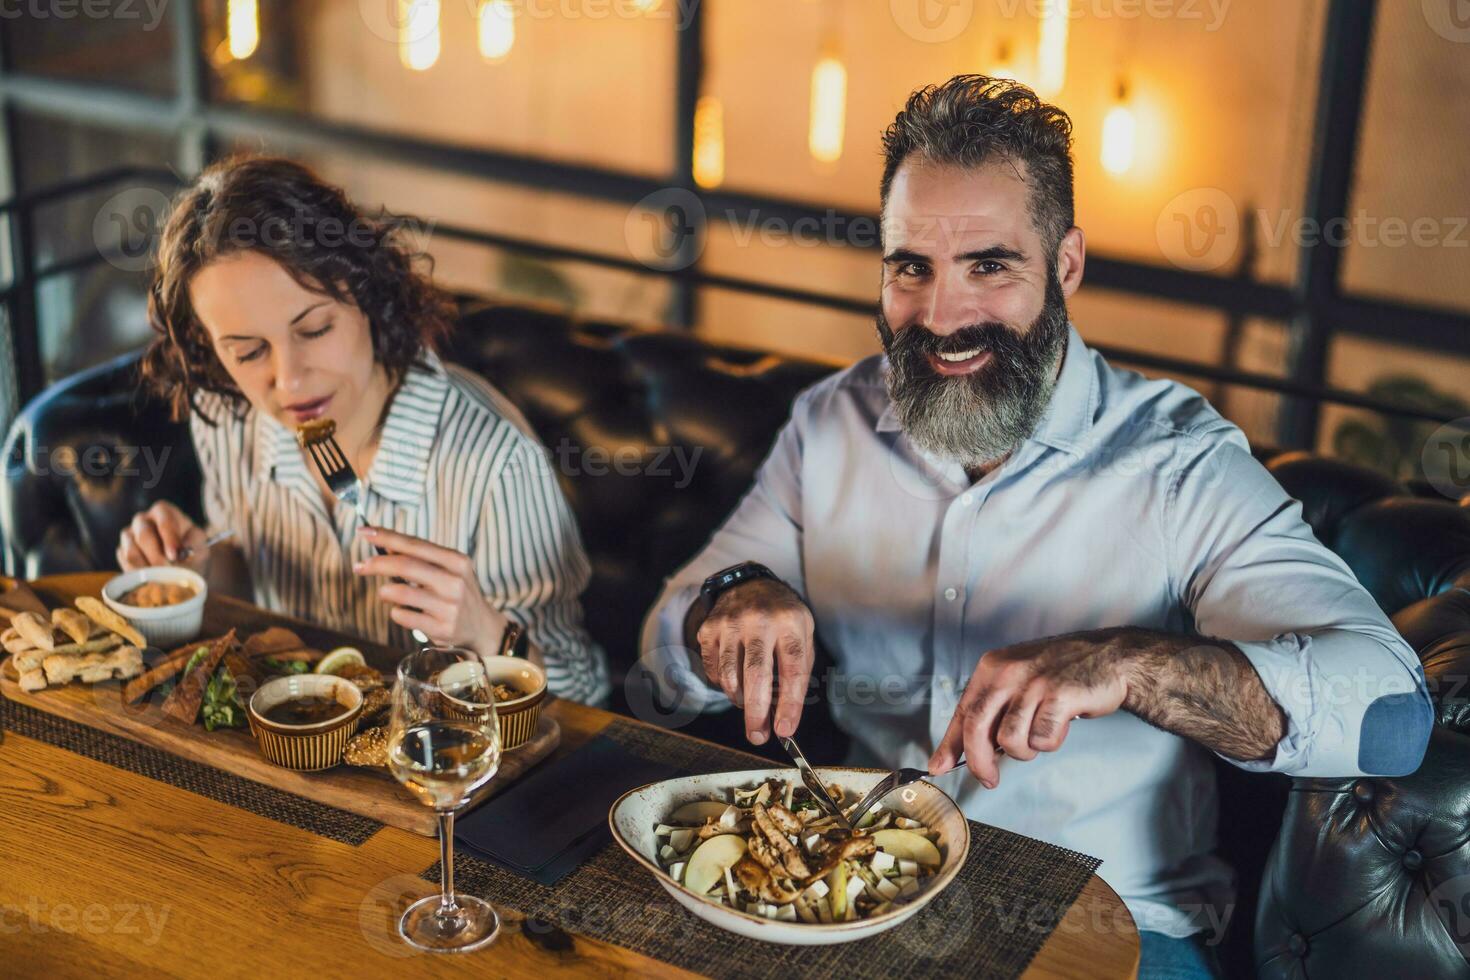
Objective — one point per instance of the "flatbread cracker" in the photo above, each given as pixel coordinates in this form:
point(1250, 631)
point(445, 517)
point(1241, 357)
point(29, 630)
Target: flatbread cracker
point(76, 625)
point(94, 607)
point(100, 645)
point(14, 643)
point(32, 680)
point(30, 660)
point(34, 630)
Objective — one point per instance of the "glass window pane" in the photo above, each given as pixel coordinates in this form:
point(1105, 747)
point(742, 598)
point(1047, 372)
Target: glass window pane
point(1410, 230)
point(591, 83)
point(129, 45)
point(775, 252)
point(93, 312)
point(1405, 375)
point(442, 203)
point(1223, 104)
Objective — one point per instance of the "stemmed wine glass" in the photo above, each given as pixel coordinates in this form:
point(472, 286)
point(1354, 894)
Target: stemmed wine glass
point(443, 744)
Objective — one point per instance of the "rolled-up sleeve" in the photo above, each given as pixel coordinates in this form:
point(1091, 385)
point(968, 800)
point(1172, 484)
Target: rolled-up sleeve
point(1250, 570)
point(764, 527)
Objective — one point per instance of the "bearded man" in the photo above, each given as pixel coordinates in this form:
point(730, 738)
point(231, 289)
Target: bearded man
point(1078, 578)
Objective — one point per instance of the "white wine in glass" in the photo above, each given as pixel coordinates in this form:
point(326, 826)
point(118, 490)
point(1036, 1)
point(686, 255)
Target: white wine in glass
point(443, 744)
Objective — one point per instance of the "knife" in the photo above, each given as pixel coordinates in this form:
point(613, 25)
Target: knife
point(813, 783)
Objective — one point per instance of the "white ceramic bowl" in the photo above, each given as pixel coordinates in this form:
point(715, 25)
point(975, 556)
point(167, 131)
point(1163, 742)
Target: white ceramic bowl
point(161, 626)
point(637, 812)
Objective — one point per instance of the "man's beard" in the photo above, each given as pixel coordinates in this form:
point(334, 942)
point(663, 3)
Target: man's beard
point(978, 418)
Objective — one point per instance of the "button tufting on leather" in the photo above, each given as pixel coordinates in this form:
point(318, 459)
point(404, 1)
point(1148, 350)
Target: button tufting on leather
point(1363, 791)
point(1413, 860)
point(1297, 944)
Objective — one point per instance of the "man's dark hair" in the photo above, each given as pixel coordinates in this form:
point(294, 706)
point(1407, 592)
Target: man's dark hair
point(972, 120)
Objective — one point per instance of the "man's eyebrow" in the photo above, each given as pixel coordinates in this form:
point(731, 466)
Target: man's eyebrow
point(993, 252)
point(294, 320)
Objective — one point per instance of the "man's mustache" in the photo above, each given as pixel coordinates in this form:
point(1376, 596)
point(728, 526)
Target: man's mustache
point(995, 338)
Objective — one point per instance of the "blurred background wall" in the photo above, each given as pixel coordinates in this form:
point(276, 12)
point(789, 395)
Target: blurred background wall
point(1274, 193)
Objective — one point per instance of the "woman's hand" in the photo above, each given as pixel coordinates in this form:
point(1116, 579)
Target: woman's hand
point(156, 537)
point(440, 595)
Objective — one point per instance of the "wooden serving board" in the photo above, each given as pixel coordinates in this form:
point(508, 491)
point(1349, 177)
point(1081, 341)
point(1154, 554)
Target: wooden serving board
point(369, 792)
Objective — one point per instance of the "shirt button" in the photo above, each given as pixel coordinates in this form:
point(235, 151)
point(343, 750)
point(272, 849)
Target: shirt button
point(948, 684)
point(967, 499)
point(951, 594)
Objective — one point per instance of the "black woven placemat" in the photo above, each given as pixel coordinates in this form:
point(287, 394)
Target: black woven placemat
point(989, 922)
point(216, 784)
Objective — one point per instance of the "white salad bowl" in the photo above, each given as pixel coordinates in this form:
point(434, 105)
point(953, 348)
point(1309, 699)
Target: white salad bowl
point(637, 813)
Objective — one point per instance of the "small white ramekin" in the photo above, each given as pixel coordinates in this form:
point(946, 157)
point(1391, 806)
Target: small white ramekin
point(161, 626)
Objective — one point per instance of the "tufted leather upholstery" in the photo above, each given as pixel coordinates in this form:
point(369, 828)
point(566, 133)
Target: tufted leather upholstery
point(1366, 877)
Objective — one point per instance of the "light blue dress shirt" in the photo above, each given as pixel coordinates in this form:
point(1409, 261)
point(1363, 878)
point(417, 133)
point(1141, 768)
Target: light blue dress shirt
point(1134, 503)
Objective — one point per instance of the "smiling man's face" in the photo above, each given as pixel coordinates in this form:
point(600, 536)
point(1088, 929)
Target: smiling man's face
point(974, 314)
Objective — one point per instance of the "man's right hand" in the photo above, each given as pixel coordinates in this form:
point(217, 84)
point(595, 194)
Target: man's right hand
point(157, 535)
point(752, 626)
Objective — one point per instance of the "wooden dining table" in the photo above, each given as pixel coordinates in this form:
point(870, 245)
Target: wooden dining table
point(111, 873)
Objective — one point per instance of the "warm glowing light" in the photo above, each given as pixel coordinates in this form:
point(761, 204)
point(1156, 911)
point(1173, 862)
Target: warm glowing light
point(418, 33)
point(497, 29)
point(1051, 50)
point(1119, 137)
point(709, 142)
point(242, 28)
point(1004, 66)
point(646, 6)
point(829, 109)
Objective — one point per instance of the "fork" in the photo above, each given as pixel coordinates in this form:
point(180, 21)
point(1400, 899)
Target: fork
point(321, 444)
point(896, 779)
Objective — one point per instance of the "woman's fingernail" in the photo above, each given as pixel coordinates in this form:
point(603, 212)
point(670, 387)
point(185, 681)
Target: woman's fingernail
point(367, 530)
point(757, 738)
point(357, 566)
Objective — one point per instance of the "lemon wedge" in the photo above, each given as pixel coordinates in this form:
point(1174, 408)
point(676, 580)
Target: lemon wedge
point(341, 657)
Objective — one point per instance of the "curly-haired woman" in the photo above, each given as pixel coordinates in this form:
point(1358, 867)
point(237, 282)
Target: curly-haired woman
point(277, 301)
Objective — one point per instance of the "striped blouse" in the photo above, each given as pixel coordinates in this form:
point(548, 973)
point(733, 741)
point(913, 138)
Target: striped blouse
point(456, 465)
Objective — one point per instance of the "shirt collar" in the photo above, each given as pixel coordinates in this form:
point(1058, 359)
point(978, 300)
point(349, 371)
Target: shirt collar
point(401, 467)
point(1068, 417)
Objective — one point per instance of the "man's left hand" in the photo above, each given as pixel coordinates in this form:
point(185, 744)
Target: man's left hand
point(1022, 698)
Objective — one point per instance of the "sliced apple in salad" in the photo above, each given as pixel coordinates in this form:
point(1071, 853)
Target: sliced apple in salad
point(698, 812)
point(909, 846)
point(708, 862)
point(771, 850)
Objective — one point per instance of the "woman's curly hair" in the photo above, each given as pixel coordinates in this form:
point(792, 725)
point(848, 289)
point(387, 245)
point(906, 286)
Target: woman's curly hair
point(282, 210)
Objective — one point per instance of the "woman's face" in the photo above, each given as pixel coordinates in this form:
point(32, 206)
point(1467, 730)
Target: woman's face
point(295, 354)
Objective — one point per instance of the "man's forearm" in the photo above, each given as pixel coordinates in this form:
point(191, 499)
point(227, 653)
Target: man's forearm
point(1199, 688)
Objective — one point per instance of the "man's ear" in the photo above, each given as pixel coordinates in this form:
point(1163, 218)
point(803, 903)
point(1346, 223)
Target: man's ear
point(1071, 257)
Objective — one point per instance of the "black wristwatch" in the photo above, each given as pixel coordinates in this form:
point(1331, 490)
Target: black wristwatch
point(727, 578)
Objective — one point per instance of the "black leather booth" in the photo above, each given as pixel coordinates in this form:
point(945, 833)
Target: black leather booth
point(1367, 877)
